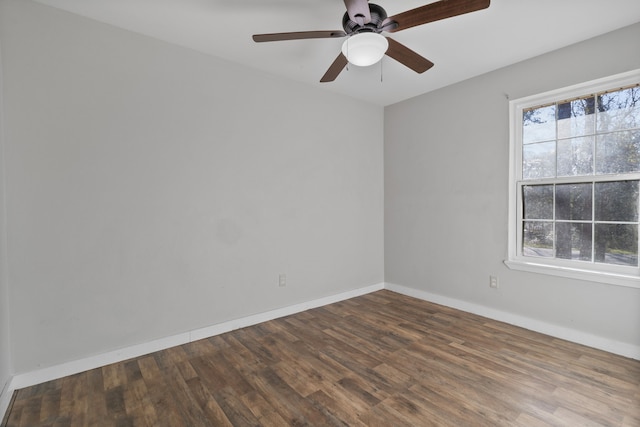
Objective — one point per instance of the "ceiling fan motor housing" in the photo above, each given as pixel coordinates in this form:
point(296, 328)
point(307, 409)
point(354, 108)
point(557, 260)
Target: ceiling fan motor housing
point(378, 15)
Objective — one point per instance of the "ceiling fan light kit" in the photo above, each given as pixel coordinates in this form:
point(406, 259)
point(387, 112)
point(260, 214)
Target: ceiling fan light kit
point(364, 23)
point(364, 49)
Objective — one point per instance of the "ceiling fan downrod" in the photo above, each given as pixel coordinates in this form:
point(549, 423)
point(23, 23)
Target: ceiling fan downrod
point(377, 17)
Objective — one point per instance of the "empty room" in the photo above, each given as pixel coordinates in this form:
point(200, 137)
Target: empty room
point(319, 212)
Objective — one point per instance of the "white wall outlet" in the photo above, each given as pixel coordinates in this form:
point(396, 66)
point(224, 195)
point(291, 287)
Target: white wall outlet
point(493, 282)
point(282, 280)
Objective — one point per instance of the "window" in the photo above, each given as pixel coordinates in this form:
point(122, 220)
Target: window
point(575, 181)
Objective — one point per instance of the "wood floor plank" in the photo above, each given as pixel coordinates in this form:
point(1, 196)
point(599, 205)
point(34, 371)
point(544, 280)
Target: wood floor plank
point(436, 401)
point(381, 359)
point(207, 403)
point(594, 409)
point(264, 412)
point(66, 395)
point(99, 398)
point(186, 403)
point(31, 412)
point(138, 404)
point(50, 406)
point(340, 412)
point(527, 420)
point(132, 370)
point(283, 399)
point(114, 375)
point(297, 378)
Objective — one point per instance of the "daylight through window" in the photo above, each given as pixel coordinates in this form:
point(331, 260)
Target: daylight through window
point(577, 179)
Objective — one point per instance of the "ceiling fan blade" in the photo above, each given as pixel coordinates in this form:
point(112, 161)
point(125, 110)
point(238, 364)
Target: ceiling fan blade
point(335, 69)
point(436, 11)
point(407, 57)
point(274, 37)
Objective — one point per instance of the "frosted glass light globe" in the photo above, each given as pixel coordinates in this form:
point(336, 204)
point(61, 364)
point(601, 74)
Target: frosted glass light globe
point(365, 49)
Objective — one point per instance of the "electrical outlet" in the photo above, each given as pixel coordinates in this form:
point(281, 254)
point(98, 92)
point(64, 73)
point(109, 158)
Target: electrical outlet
point(493, 282)
point(282, 280)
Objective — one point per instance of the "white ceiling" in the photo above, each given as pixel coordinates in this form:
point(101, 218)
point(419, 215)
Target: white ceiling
point(508, 31)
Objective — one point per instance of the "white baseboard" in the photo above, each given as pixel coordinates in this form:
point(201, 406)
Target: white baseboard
point(5, 398)
point(590, 340)
point(62, 370)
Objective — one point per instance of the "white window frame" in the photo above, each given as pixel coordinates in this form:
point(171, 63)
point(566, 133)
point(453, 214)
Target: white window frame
point(601, 273)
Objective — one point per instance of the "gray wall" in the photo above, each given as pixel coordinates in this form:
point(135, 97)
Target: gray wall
point(446, 193)
point(5, 353)
point(153, 190)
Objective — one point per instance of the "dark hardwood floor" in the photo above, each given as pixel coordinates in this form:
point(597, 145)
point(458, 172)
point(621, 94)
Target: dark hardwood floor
point(381, 359)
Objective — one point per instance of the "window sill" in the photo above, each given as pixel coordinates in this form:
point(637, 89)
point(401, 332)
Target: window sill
point(630, 281)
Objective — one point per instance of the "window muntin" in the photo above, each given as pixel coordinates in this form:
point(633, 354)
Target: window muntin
point(587, 221)
point(574, 138)
point(577, 179)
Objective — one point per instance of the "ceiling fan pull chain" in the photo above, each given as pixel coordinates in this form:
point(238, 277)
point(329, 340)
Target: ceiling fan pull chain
point(347, 56)
point(381, 68)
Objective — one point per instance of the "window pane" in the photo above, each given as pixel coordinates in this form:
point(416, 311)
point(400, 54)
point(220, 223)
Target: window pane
point(619, 110)
point(573, 241)
point(618, 152)
point(573, 202)
point(537, 239)
point(576, 118)
point(617, 244)
point(616, 201)
point(539, 160)
point(537, 201)
point(539, 124)
point(575, 156)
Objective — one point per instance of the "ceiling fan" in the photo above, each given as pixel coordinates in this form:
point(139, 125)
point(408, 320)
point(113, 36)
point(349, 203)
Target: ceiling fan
point(364, 23)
